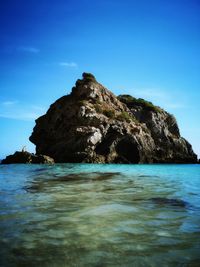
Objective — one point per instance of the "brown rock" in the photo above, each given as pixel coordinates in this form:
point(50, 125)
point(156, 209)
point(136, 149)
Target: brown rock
point(26, 157)
point(93, 125)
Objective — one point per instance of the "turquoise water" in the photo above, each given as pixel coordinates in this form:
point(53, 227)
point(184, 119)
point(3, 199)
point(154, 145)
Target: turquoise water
point(99, 215)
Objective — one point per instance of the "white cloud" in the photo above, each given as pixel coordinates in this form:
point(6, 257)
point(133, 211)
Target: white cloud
point(8, 103)
point(38, 108)
point(159, 97)
point(20, 116)
point(174, 105)
point(21, 112)
point(28, 49)
point(149, 93)
point(69, 64)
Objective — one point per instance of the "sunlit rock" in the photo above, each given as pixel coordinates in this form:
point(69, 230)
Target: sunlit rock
point(93, 125)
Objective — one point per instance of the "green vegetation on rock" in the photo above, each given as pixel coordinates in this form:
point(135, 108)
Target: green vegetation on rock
point(98, 108)
point(125, 116)
point(82, 102)
point(131, 102)
point(88, 77)
point(109, 113)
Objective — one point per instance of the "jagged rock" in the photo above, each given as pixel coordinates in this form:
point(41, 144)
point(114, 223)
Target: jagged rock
point(93, 125)
point(38, 159)
point(26, 157)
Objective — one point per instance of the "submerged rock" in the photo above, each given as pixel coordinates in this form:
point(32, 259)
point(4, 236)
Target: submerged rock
point(93, 125)
point(42, 184)
point(87, 177)
point(169, 201)
point(26, 157)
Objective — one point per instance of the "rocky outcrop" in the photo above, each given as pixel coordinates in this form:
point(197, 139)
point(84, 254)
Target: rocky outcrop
point(93, 125)
point(169, 147)
point(26, 157)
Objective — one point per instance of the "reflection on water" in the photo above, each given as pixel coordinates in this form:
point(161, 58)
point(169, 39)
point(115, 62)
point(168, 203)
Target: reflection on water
point(99, 215)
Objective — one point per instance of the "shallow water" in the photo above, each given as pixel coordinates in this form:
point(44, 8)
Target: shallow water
point(99, 215)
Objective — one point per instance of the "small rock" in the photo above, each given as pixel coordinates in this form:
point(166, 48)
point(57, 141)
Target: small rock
point(26, 157)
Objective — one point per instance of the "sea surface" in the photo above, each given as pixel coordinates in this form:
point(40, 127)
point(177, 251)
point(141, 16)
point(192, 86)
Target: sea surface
point(99, 215)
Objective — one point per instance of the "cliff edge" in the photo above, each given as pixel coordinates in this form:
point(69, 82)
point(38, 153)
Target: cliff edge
point(93, 125)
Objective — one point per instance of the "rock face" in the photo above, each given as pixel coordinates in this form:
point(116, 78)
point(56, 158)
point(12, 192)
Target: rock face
point(26, 157)
point(93, 125)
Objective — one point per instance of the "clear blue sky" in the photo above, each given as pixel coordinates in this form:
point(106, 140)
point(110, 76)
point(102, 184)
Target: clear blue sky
point(149, 49)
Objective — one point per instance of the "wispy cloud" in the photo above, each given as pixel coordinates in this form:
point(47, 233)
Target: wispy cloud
point(68, 64)
point(174, 105)
point(28, 49)
point(20, 116)
point(150, 92)
point(38, 108)
point(20, 112)
point(9, 103)
point(159, 97)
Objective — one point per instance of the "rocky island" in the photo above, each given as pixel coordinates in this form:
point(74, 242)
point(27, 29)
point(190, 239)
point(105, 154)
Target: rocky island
point(92, 125)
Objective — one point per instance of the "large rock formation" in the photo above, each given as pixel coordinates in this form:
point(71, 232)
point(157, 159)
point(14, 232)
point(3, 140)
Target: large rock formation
point(93, 125)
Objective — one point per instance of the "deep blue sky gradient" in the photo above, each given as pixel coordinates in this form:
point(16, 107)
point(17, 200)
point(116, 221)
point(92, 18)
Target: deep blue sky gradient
point(149, 49)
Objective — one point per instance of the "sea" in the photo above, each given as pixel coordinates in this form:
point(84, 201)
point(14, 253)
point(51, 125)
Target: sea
point(99, 215)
